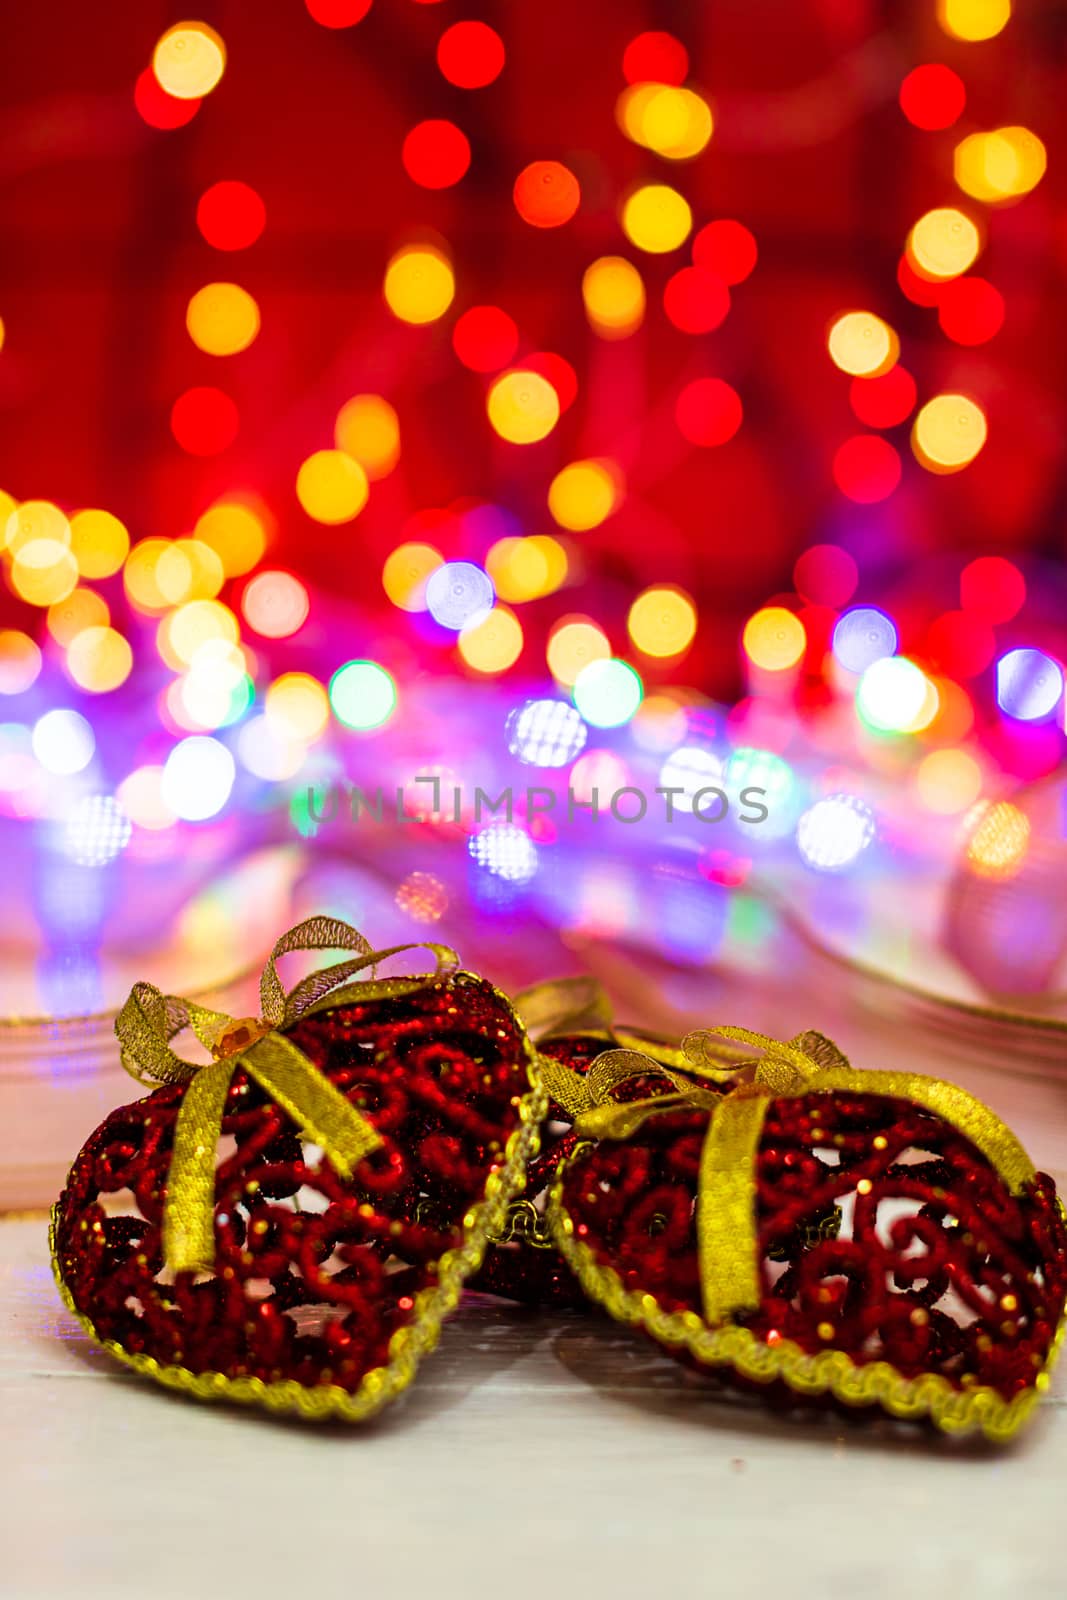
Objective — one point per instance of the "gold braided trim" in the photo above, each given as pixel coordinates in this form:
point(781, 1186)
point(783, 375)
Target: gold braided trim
point(408, 1344)
point(953, 1410)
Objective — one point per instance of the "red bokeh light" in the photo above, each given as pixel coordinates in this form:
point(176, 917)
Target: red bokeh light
point(932, 97)
point(204, 421)
point(884, 401)
point(708, 411)
point(960, 644)
point(866, 468)
point(436, 154)
point(546, 194)
point(970, 310)
point(727, 248)
point(338, 13)
point(696, 300)
point(158, 108)
point(559, 373)
point(655, 58)
point(826, 575)
point(470, 54)
point(231, 215)
point(920, 291)
point(485, 338)
point(992, 588)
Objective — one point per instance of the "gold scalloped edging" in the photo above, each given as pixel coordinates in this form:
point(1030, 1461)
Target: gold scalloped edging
point(408, 1344)
point(879, 1383)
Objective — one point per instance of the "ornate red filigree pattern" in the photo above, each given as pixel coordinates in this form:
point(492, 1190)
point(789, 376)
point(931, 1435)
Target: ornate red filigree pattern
point(882, 1231)
point(312, 1275)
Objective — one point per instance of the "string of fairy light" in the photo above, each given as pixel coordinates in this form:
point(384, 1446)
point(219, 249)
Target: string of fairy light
point(210, 596)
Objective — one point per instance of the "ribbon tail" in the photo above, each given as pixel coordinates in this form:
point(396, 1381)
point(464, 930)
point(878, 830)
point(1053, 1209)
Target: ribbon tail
point(318, 1108)
point(189, 1209)
point(727, 1224)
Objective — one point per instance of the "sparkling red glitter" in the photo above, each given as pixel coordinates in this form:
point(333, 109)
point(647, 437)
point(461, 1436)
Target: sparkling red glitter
point(956, 1276)
point(312, 1275)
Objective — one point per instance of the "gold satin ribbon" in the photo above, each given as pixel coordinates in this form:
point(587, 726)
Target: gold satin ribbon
point(149, 1021)
point(726, 1219)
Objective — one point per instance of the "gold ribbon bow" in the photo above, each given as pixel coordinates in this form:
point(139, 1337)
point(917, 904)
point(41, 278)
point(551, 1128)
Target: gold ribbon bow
point(149, 1021)
point(737, 1089)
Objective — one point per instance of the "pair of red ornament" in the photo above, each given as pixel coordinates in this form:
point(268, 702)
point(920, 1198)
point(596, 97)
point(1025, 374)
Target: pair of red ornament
point(290, 1223)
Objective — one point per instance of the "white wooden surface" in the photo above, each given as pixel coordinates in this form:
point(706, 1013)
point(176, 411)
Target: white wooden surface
point(537, 1455)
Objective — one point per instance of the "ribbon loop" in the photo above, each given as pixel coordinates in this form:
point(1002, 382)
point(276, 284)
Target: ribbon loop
point(315, 933)
point(149, 1020)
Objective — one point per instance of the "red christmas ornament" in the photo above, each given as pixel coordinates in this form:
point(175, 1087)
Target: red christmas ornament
point(312, 1289)
point(571, 1020)
point(877, 1238)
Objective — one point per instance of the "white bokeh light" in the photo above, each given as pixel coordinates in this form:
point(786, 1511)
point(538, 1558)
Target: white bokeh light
point(834, 832)
point(506, 851)
point(546, 733)
point(197, 778)
point(63, 742)
point(97, 831)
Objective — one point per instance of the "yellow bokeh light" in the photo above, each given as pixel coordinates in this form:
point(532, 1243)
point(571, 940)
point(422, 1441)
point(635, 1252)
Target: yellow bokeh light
point(405, 573)
point(186, 630)
point(582, 494)
point(656, 218)
point(20, 661)
point(368, 430)
point(83, 608)
point(99, 659)
point(675, 123)
point(948, 433)
point(494, 644)
point(614, 297)
point(523, 407)
point(524, 569)
point(419, 284)
point(662, 621)
point(573, 643)
point(8, 504)
point(943, 243)
point(222, 319)
point(236, 533)
point(556, 559)
point(973, 19)
point(36, 519)
point(297, 707)
point(862, 344)
point(999, 838)
point(331, 487)
point(43, 572)
point(774, 639)
point(1000, 165)
point(189, 569)
point(948, 781)
point(139, 575)
point(189, 60)
point(100, 543)
point(3, 333)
